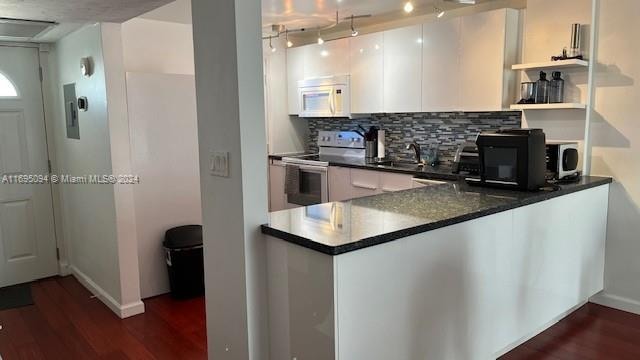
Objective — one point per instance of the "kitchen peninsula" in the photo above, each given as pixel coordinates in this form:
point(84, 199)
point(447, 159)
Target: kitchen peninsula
point(442, 272)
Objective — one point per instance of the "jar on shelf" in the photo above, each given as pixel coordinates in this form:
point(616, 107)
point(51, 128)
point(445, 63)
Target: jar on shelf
point(556, 88)
point(542, 89)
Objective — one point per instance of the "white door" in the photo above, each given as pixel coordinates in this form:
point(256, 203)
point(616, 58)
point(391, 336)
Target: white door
point(27, 239)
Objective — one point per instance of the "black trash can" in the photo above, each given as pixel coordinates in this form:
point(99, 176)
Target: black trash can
point(185, 261)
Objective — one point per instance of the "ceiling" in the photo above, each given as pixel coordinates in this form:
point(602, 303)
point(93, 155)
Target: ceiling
point(310, 13)
point(77, 11)
point(178, 11)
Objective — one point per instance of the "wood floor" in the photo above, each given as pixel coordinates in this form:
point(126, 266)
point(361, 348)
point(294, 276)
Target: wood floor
point(66, 323)
point(593, 332)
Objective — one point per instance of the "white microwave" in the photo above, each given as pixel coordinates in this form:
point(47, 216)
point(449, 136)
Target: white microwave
point(324, 97)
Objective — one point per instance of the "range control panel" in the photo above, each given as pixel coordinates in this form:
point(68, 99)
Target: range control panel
point(340, 139)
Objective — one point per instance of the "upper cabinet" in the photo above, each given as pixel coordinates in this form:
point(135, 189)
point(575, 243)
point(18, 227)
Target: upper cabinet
point(441, 80)
point(367, 66)
point(460, 64)
point(295, 72)
point(330, 58)
point(403, 69)
point(489, 47)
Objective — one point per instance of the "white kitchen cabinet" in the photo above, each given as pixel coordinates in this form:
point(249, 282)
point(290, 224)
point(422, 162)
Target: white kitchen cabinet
point(364, 183)
point(390, 182)
point(328, 59)
point(403, 69)
point(441, 84)
point(367, 73)
point(339, 183)
point(295, 72)
point(420, 183)
point(489, 44)
point(277, 196)
point(346, 183)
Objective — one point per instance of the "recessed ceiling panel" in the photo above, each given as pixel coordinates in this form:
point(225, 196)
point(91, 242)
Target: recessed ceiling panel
point(20, 29)
point(78, 10)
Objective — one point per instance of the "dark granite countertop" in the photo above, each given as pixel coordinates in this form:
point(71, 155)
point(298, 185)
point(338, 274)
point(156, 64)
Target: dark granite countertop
point(440, 172)
point(340, 227)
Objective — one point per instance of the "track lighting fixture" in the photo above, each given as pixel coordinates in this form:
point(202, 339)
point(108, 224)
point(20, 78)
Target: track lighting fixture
point(439, 12)
point(354, 32)
point(408, 7)
point(273, 49)
point(320, 39)
point(286, 36)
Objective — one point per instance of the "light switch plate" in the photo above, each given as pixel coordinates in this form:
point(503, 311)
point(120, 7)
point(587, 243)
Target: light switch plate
point(219, 163)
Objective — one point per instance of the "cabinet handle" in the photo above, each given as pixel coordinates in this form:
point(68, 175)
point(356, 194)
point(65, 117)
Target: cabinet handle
point(368, 187)
point(391, 190)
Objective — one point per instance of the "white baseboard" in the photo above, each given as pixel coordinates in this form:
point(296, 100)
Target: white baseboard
point(616, 302)
point(539, 330)
point(123, 311)
point(64, 268)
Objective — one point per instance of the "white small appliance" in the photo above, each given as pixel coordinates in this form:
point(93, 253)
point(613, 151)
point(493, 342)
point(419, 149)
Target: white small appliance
point(562, 159)
point(324, 97)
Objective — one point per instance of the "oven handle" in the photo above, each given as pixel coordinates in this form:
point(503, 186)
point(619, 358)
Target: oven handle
point(322, 169)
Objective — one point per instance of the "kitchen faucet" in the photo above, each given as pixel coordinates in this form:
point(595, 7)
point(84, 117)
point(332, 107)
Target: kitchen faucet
point(417, 150)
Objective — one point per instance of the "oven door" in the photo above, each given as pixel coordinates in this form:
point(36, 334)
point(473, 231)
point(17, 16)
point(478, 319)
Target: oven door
point(313, 189)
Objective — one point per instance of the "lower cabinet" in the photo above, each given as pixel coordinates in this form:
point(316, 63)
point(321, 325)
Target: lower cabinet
point(390, 182)
point(277, 197)
point(339, 183)
point(346, 183)
point(364, 183)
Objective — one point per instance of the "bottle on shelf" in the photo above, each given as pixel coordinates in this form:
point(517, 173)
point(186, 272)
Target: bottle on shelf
point(556, 88)
point(542, 89)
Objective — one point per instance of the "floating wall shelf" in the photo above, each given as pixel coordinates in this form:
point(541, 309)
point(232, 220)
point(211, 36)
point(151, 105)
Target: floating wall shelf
point(561, 64)
point(548, 106)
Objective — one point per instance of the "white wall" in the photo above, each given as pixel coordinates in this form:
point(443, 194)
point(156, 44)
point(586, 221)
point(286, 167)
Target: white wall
point(157, 46)
point(286, 134)
point(547, 30)
point(95, 242)
point(164, 148)
point(615, 131)
point(616, 147)
point(158, 60)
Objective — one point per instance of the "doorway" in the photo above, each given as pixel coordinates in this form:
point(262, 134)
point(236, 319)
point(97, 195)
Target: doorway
point(27, 231)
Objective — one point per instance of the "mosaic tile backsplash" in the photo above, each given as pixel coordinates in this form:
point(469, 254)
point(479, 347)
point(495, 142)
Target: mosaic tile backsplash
point(448, 130)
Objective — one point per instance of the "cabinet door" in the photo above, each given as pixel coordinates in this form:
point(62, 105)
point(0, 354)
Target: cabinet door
point(367, 73)
point(419, 183)
point(390, 182)
point(364, 183)
point(440, 66)
point(328, 59)
point(295, 72)
point(403, 69)
point(277, 197)
point(339, 183)
point(482, 61)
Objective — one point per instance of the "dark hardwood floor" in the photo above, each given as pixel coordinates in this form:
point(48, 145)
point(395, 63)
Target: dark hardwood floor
point(66, 323)
point(593, 332)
